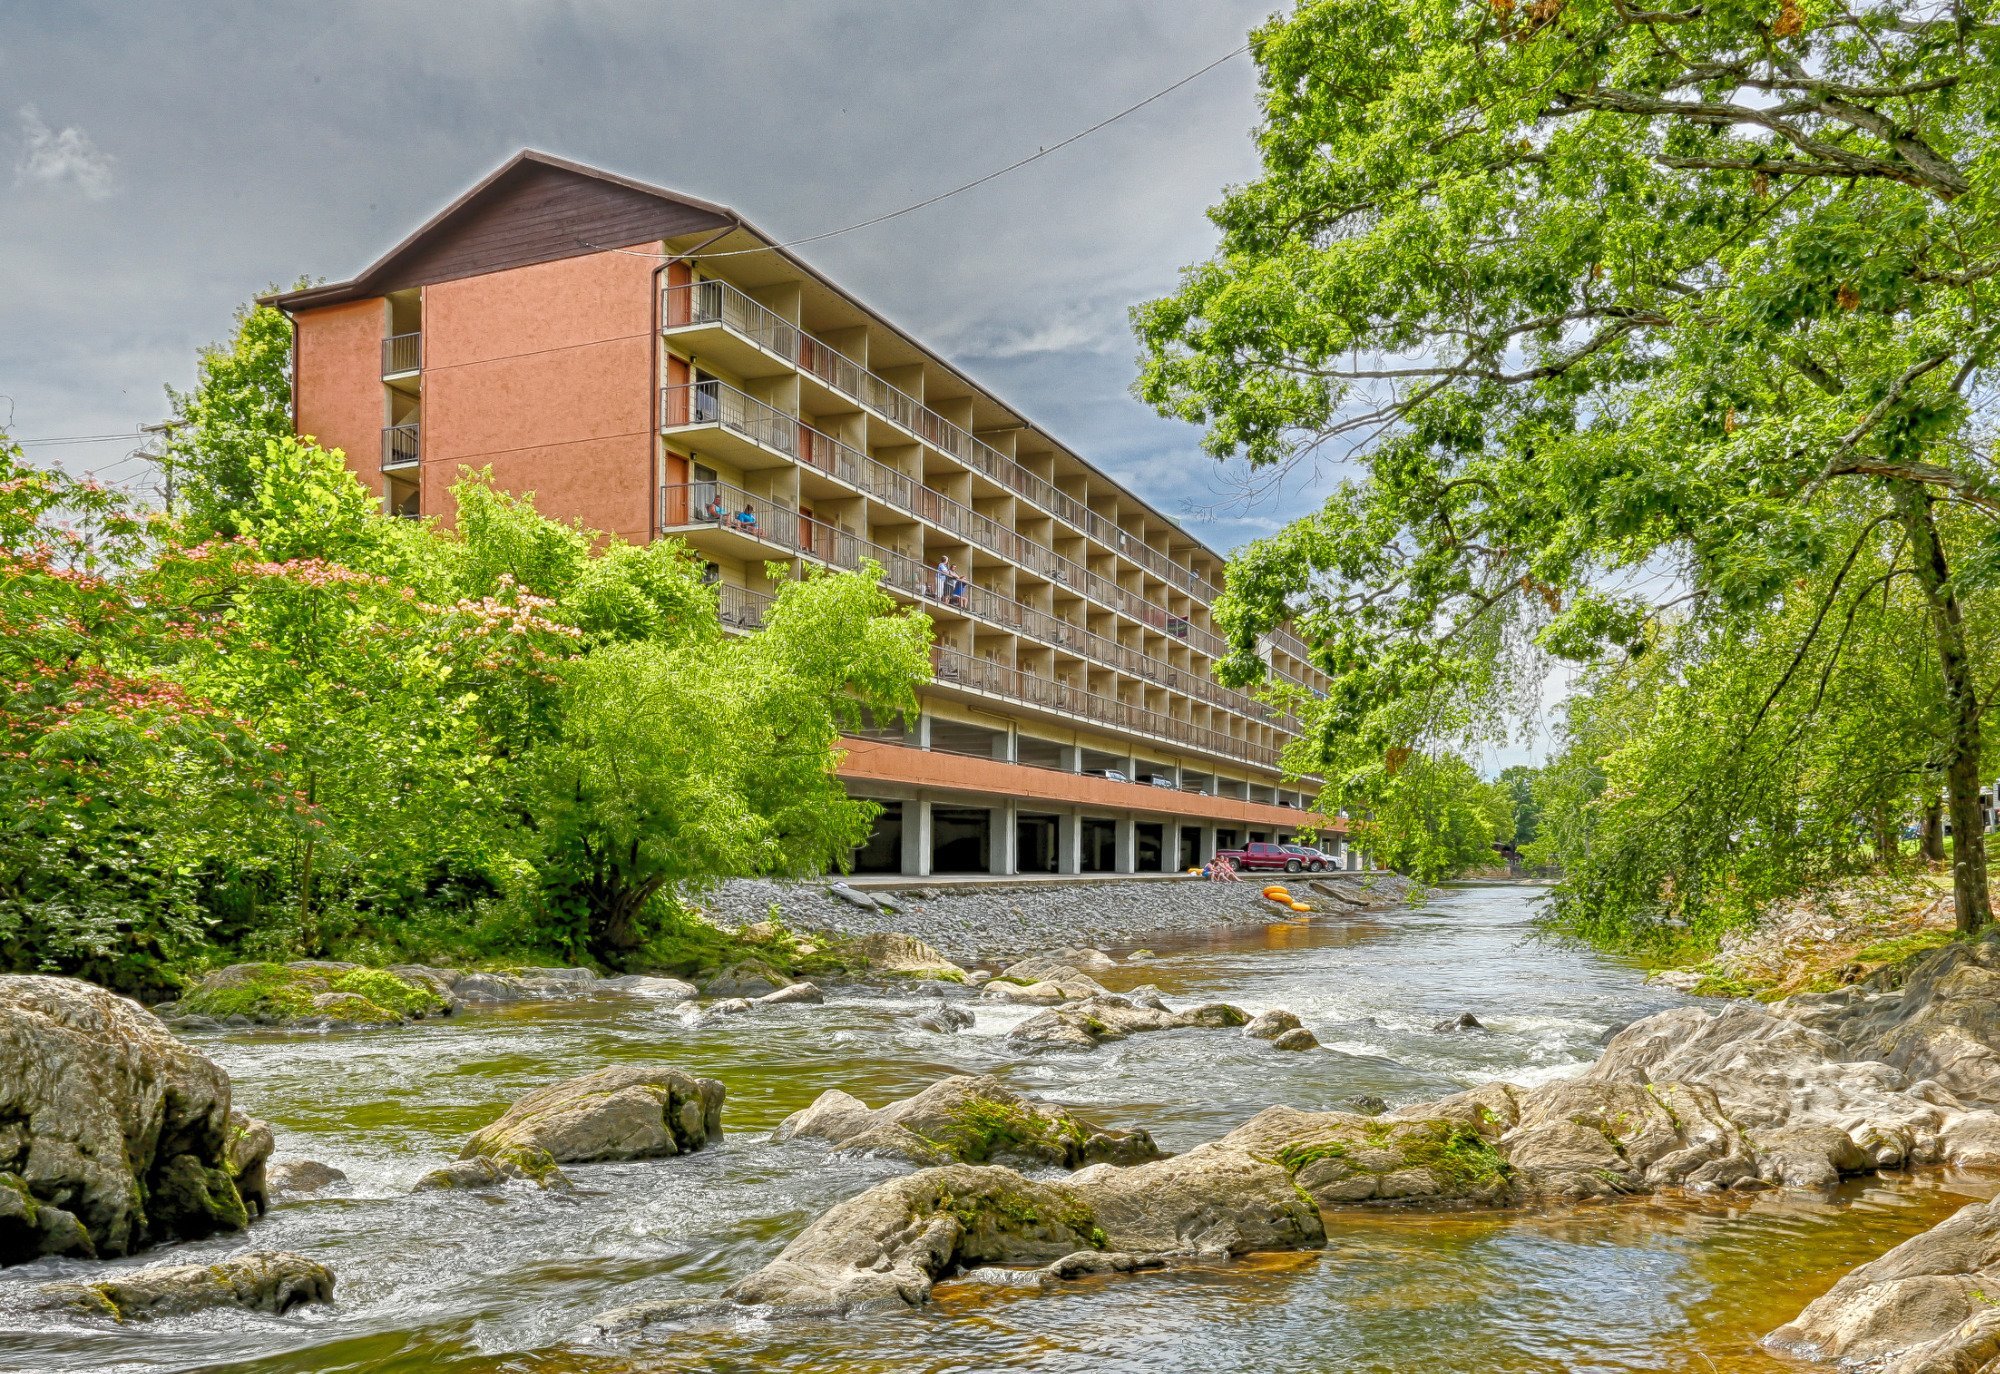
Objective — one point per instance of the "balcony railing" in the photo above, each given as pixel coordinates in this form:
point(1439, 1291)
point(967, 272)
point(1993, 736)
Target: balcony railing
point(715, 302)
point(743, 609)
point(788, 530)
point(718, 403)
point(402, 353)
point(399, 446)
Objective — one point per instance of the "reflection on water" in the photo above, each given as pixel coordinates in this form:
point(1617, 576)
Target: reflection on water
point(467, 1284)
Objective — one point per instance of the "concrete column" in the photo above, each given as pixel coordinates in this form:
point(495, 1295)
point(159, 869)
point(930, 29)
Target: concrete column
point(1004, 748)
point(1001, 858)
point(1072, 758)
point(917, 837)
point(1126, 857)
point(920, 738)
point(1069, 843)
point(1207, 850)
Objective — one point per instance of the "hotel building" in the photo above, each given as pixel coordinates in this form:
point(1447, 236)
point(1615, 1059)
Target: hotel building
point(656, 366)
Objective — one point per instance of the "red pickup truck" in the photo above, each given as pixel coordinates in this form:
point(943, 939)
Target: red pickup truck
point(1255, 856)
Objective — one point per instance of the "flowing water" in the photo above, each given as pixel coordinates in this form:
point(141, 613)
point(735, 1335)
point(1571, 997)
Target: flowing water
point(476, 1285)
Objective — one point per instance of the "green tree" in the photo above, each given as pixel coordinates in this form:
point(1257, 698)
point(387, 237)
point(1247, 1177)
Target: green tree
point(1430, 817)
point(1589, 294)
point(679, 763)
point(241, 399)
point(1519, 780)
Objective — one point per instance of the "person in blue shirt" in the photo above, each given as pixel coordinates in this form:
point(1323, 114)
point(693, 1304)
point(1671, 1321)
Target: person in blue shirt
point(747, 518)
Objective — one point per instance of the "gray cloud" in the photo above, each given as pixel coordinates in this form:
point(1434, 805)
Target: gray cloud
point(56, 158)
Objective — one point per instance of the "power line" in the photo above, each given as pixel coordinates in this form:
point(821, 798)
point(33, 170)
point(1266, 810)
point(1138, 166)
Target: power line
point(1015, 165)
point(79, 439)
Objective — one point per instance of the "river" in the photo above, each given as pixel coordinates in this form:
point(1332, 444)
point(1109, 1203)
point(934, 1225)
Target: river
point(465, 1284)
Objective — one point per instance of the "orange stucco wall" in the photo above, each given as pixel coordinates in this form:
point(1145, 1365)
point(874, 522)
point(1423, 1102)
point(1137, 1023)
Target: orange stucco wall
point(339, 382)
point(873, 761)
point(544, 374)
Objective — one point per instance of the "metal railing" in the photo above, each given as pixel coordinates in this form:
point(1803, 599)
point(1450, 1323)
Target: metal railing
point(402, 353)
point(715, 302)
point(399, 446)
point(955, 668)
point(789, 530)
point(743, 609)
point(718, 403)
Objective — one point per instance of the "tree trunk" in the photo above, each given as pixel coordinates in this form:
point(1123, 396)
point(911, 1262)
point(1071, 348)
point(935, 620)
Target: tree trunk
point(1968, 827)
point(1934, 831)
point(1888, 844)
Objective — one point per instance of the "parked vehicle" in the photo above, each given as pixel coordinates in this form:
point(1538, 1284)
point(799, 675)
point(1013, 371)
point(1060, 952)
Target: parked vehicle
point(1161, 780)
point(1258, 856)
point(1108, 774)
point(1316, 861)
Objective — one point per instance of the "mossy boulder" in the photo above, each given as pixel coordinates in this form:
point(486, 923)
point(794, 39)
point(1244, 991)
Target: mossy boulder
point(315, 994)
point(1342, 1158)
point(517, 1164)
point(969, 1120)
point(256, 1281)
point(114, 1135)
point(1094, 1021)
point(626, 1111)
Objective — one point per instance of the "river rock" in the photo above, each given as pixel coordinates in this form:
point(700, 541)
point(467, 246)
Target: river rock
point(728, 1006)
point(1935, 1017)
point(905, 956)
point(250, 1146)
point(485, 1172)
point(256, 1280)
point(1797, 1091)
point(747, 978)
point(315, 994)
point(1026, 994)
point(853, 897)
point(806, 993)
point(971, 1120)
point(647, 986)
point(1298, 1038)
point(1086, 1024)
point(945, 1019)
point(1926, 1307)
point(116, 1135)
point(525, 985)
point(626, 1111)
point(1464, 1021)
point(294, 1177)
point(887, 1246)
point(1215, 1200)
point(1269, 1025)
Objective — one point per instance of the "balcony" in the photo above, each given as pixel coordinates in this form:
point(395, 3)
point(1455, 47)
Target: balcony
point(775, 527)
point(399, 447)
point(755, 435)
point(402, 355)
point(724, 318)
point(743, 610)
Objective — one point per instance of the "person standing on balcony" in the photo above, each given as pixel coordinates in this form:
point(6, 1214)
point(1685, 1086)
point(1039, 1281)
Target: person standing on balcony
point(944, 576)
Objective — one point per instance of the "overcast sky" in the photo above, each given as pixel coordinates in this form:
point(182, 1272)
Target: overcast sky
point(164, 162)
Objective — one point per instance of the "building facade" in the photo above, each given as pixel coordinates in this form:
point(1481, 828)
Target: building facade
point(653, 365)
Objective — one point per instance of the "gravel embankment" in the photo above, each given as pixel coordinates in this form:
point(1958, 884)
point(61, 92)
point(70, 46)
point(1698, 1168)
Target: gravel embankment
point(969, 924)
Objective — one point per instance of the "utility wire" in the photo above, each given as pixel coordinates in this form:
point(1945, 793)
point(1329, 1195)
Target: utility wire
point(1013, 166)
point(79, 439)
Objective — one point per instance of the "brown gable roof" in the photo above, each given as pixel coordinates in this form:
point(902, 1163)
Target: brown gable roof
point(536, 208)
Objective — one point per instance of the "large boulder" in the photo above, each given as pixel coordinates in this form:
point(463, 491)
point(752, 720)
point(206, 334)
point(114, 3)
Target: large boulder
point(114, 1135)
point(905, 956)
point(1815, 1111)
point(886, 1247)
point(1084, 1024)
point(530, 984)
point(626, 1111)
point(971, 1120)
point(745, 978)
point(257, 1281)
point(315, 994)
point(1926, 1307)
point(1042, 981)
point(1936, 1017)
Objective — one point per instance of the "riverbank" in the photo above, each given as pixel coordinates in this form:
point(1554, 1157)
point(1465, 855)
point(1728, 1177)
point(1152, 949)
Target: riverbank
point(529, 1273)
point(989, 921)
point(1828, 938)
